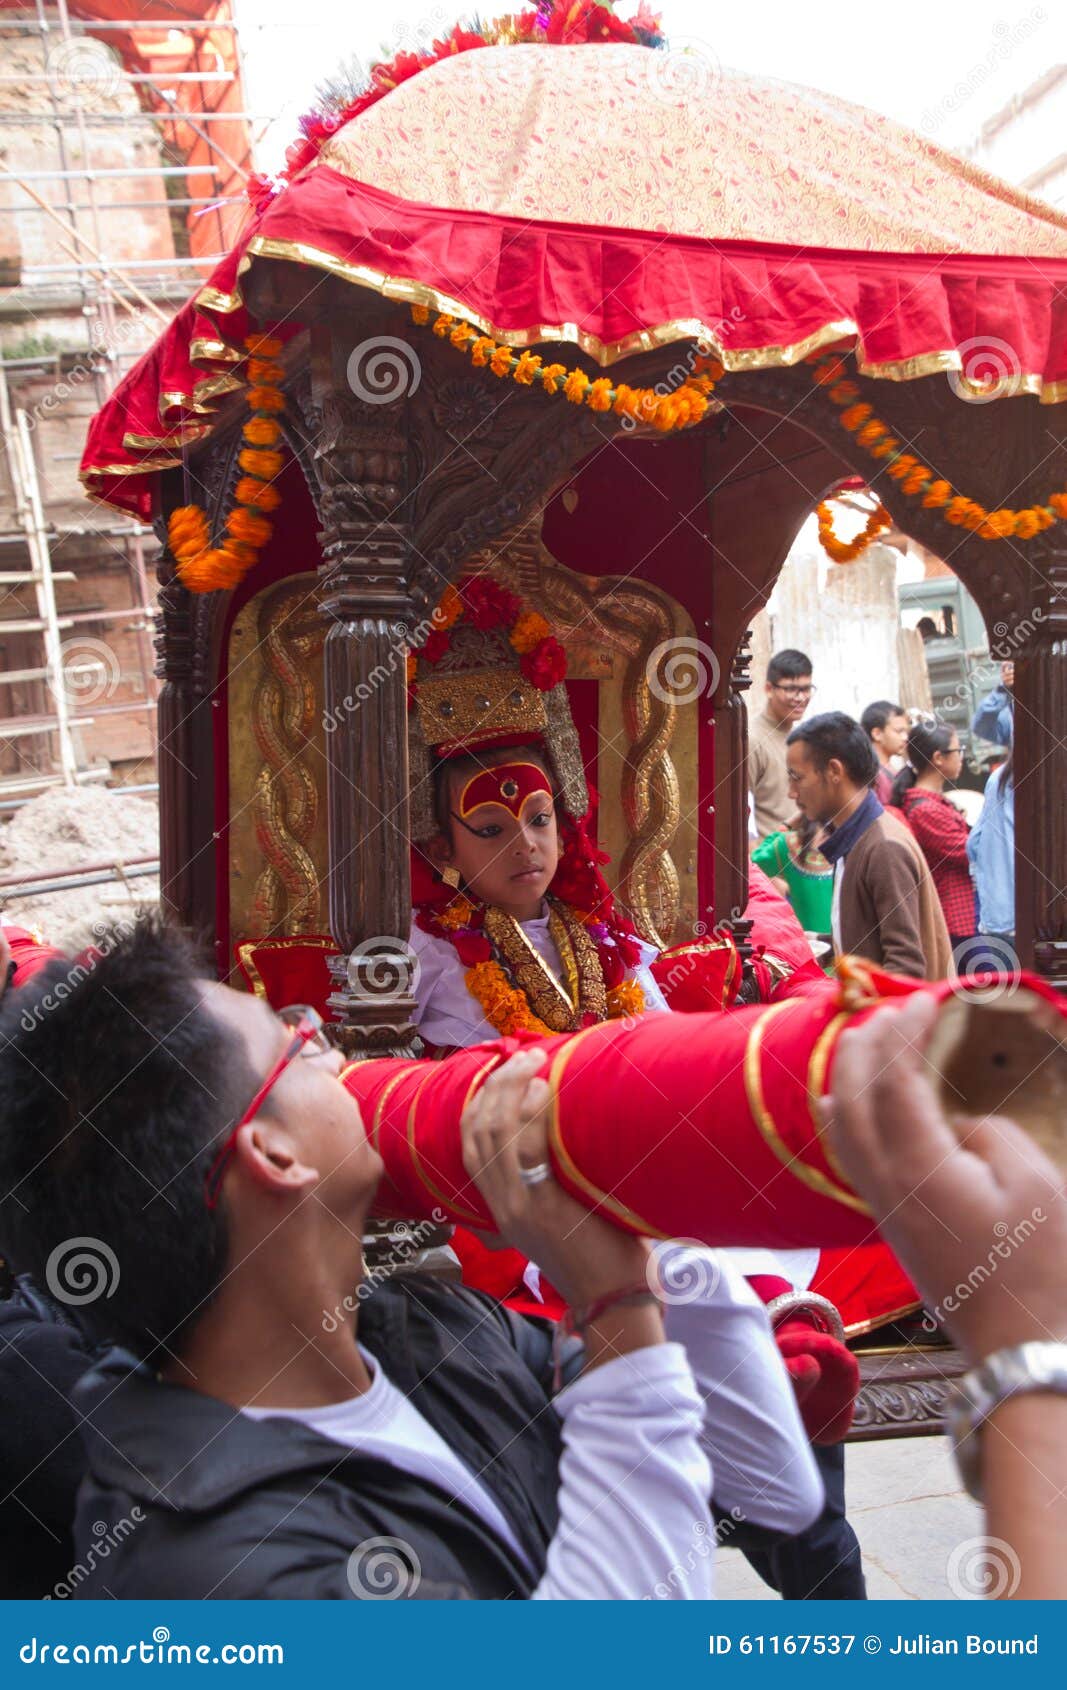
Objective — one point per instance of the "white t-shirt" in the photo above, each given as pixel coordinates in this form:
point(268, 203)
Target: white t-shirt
point(382, 1422)
point(448, 1015)
point(643, 1436)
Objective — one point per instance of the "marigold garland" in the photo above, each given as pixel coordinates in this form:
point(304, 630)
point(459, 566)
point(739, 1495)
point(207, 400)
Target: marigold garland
point(664, 412)
point(846, 551)
point(831, 371)
point(201, 567)
point(507, 1009)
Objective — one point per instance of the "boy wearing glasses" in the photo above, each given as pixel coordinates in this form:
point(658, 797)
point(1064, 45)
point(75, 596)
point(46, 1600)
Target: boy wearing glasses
point(789, 691)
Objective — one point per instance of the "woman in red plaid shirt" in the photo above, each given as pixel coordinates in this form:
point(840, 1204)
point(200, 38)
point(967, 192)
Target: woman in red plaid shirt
point(934, 757)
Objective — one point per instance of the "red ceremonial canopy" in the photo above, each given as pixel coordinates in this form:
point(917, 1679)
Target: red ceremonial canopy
point(618, 198)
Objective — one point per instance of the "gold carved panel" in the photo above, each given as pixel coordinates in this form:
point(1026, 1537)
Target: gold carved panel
point(278, 853)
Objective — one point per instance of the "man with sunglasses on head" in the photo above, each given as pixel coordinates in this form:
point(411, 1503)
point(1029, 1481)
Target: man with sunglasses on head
point(275, 1432)
point(789, 692)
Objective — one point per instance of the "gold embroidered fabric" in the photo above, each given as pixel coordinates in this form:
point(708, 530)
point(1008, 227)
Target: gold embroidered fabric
point(621, 137)
point(562, 1008)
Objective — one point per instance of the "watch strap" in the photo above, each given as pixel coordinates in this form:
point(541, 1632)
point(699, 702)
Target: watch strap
point(1012, 1372)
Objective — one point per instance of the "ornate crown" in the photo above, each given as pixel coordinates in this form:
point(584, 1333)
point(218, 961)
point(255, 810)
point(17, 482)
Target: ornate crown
point(490, 673)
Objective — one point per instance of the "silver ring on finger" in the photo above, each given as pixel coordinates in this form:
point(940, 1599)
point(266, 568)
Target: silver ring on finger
point(535, 1175)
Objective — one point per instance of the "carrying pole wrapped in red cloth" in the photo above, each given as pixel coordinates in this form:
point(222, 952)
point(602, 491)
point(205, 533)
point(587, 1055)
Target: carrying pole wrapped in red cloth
point(705, 1126)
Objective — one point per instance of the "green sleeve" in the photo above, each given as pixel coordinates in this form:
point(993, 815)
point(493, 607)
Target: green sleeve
point(772, 854)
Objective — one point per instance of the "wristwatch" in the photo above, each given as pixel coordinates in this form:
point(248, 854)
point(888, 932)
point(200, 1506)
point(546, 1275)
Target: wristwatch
point(1006, 1373)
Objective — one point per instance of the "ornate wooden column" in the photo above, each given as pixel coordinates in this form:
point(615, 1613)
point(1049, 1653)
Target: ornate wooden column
point(730, 795)
point(360, 456)
point(186, 869)
point(1040, 765)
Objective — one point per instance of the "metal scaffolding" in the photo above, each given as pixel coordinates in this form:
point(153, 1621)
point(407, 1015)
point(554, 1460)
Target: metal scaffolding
point(193, 95)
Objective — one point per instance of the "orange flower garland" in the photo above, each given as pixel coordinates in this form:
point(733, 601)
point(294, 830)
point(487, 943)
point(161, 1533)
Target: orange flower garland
point(203, 568)
point(507, 1009)
point(846, 551)
point(684, 406)
point(831, 372)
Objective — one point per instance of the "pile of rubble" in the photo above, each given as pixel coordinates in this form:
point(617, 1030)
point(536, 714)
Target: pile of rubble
point(73, 828)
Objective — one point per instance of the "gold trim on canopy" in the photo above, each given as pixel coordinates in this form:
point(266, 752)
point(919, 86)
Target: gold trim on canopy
point(406, 291)
point(214, 351)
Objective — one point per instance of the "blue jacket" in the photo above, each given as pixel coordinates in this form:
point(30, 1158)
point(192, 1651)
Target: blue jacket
point(995, 717)
point(991, 849)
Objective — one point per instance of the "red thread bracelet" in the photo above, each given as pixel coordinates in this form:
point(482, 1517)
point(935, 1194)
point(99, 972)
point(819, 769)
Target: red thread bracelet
point(576, 1320)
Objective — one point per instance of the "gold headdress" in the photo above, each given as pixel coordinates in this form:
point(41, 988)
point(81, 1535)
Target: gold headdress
point(489, 674)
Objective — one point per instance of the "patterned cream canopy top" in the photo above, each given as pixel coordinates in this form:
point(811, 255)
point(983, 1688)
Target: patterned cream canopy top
point(619, 137)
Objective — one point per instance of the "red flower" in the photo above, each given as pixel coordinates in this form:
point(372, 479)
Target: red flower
point(398, 70)
point(629, 950)
point(472, 948)
point(545, 664)
point(575, 22)
point(488, 605)
point(611, 965)
point(435, 645)
point(459, 41)
point(260, 190)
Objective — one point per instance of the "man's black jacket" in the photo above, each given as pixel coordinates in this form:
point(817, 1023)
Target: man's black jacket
point(42, 1356)
point(235, 1507)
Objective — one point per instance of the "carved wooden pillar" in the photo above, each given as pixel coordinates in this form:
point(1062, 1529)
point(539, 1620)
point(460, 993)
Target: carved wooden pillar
point(731, 796)
point(179, 694)
point(360, 460)
point(1040, 764)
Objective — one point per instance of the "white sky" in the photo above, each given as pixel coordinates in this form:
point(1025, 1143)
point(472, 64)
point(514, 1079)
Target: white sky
point(941, 67)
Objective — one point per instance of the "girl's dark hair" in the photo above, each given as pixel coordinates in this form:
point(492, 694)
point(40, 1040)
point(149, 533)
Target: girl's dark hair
point(924, 740)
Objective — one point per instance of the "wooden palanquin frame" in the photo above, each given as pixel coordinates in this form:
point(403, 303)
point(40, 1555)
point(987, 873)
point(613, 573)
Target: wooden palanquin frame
point(405, 494)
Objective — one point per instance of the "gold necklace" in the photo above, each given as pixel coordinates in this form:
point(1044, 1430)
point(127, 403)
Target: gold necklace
point(562, 1008)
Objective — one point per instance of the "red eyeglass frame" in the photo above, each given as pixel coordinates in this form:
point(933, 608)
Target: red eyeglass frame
point(307, 1027)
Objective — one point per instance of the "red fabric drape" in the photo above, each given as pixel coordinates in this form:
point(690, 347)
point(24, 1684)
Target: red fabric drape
point(695, 1126)
point(512, 276)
